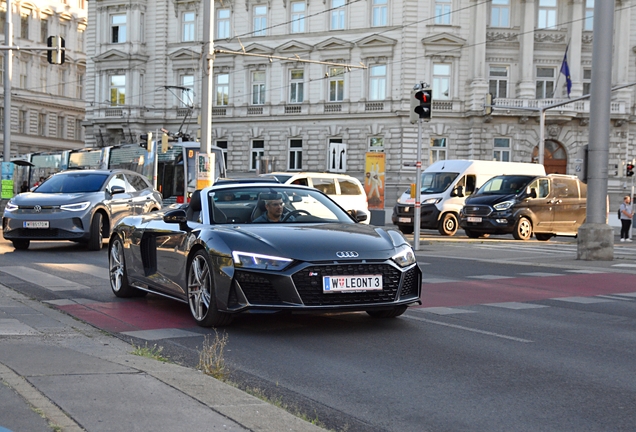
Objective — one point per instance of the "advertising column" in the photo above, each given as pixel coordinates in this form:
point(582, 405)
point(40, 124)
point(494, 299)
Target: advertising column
point(374, 180)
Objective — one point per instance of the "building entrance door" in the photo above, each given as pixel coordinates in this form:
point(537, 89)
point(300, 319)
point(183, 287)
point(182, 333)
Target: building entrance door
point(555, 159)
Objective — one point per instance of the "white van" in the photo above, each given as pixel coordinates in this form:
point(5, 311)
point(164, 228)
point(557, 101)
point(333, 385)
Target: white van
point(445, 186)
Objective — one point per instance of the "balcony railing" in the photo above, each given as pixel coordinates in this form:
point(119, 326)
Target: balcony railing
point(582, 106)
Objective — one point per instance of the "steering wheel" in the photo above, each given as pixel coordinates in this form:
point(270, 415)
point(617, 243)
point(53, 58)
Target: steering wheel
point(294, 213)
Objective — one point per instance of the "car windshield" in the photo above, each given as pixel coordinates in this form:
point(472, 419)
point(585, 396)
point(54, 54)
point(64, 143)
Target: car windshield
point(505, 185)
point(245, 204)
point(279, 177)
point(437, 182)
point(73, 183)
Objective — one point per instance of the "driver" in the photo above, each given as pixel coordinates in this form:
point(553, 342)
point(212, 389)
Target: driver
point(274, 212)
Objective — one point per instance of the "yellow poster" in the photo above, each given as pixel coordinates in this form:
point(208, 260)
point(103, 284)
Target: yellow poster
point(374, 179)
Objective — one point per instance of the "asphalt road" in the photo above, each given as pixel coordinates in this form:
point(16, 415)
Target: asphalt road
point(511, 336)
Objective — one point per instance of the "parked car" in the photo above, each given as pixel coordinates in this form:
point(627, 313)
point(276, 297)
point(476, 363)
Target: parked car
point(524, 205)
point(78, 205)
point(216, 257)
point(344, 189)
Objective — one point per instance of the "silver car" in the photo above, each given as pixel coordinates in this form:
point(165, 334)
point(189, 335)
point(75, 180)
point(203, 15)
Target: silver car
point(79, 205)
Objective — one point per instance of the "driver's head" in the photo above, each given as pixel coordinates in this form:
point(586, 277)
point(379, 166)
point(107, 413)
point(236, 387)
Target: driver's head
point(274, 208)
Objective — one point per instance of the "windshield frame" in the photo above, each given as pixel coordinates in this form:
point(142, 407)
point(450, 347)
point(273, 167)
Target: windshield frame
point(73, 182)
point(506, 183)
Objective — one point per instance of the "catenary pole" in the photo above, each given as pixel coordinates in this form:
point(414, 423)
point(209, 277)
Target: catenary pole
point(8, 69)
point(206, 88)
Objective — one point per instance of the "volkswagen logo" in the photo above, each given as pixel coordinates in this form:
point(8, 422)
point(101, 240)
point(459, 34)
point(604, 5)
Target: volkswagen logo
point(37, 208)
point(347, 254)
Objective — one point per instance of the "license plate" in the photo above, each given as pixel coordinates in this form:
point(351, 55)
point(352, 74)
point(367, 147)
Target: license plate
point(473, 219)
point(404, 220)
point(351, 283)
point(35, 224)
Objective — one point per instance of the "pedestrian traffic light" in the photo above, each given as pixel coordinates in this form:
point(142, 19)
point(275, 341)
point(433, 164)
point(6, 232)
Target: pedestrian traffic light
point(164, 143)
point(421, 104)
point(630, 170)
point(146, 141)
point(56, 54)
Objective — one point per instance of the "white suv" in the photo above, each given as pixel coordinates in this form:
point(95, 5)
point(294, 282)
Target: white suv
point(345, 190)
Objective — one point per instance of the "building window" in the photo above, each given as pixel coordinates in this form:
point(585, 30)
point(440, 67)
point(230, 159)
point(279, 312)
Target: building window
point(501, 151)
point(441, 81)
point(1, 69)
point(64, 30)
point(498, 83)
point(187, 92)
point(22, 121)
point(295, 154)
point(118, 28)
point(223, 146)
point(442, 11)
point(547, 14)
point(222, 90)
point(587, 81)
point(336, 84)
point(438, 149)
point(44, 29)
point(337, 15)
point(79, 86)
point(258, 88)
point(187, 27)
point(223, 23)
point(376, 144)
point(545, 82)
point(1, 118)
point(260, 20)
point(24, 26)
point(298, 17)
point(296, 85)
point(24, 79)
point(61, 127)
point(3, 19)
point(258, 151)
point(500, 13)
point(589, 15)
point(41, 124)
point(117, 90)
point(78, 130)
point(377, 82)
point(379, 15)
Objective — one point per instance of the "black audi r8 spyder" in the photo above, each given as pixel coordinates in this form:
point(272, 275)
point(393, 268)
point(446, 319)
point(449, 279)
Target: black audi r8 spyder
point(217, 256)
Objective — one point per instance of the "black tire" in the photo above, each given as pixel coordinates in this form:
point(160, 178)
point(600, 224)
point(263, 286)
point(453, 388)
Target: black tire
point(448, 224)
point(472, 234)
point(21, 244)
point(523, 229)
point(201, 293)
point(97, 233)
point(543, 237)
point(118, 275)
point(406, 229)
point(387, 313)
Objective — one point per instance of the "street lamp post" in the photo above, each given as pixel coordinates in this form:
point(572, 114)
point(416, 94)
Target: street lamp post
point(8, 69)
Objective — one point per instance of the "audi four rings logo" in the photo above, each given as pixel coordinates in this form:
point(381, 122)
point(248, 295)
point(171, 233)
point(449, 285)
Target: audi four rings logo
point(37, 208)
point(347, 254)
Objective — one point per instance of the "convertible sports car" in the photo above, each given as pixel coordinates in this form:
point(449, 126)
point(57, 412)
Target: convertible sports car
point(213, 255)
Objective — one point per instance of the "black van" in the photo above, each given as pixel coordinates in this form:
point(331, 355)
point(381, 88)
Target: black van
point(522, 205)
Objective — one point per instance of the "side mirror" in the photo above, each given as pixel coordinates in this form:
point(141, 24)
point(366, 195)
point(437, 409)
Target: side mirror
point(358, 215)
point(117, 190)
point(458, 192)
point(533, 193)
point(177, 216)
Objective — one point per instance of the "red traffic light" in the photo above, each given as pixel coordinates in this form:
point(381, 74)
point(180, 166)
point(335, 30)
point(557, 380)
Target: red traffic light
point(423, 96)
point(424, 108)
point(630, 170)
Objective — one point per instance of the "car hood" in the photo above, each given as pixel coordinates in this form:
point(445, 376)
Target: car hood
point(488, 199)
point(48, 199)
point(314, 242)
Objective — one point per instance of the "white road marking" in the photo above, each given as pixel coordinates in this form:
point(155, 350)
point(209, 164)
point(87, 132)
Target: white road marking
point(515, 305)
point(45, 280)
point(540, 274)
point(455, 326)
point(614, 297)
point(490, 277)
point(437, 280)
point(442, 310)
point(624, 265)
point(93, 270)
point(585, 271)
point(582, 300)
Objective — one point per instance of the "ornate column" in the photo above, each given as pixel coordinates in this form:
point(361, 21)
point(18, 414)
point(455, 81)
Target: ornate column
point(574, 52)
point(526, 87)
point(479, 82)
point(622, 48)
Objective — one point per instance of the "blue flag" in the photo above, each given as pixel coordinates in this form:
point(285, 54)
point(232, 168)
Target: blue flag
point(565, 70)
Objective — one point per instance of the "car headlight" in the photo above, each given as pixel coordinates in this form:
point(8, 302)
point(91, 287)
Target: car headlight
point(10, 206)
point(405, 257)
point(431, 201)
point(259, 262)
point(76, 207)
point(503, 205)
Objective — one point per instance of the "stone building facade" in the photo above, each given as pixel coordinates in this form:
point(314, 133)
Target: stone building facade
point(144, 73)
point(48, 101)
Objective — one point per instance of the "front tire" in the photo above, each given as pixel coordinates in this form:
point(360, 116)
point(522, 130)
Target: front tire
point(387, 313)
point(543, 237)
point(406, 229)
point(21, 244)
point(118, 273)
point(472, 234)
point(523, 229)
point(201, 295)
point(448, 225)
point(97, 233)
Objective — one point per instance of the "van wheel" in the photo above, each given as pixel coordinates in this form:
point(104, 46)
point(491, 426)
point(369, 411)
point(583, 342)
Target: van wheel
point(472, 234)
point(523, 229)
point(406, 229)
point(21, 244)
point(448, 224)
point(543, 237)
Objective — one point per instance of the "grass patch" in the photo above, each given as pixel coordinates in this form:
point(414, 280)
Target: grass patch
point(153, 352)
point(211, 357)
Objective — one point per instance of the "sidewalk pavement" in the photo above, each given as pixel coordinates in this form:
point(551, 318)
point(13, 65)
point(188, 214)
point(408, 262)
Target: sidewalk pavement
point(60, 374)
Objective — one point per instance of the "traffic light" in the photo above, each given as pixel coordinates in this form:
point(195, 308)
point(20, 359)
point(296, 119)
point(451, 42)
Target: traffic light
point(630, 170)
point(164, 143)
point(146, 141)
point(56, 55)
point(421, 104)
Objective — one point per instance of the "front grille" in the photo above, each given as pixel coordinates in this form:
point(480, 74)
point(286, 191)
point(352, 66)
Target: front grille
point(52, 233)
point(310, 287)
point(25, 210)
point(257, 289)
point(477, 210)
point(409, 283)
point(405, 209)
